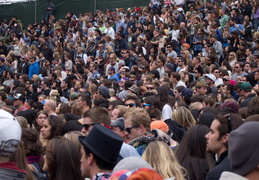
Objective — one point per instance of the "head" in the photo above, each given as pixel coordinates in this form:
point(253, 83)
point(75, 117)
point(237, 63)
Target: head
point(137, 122)
point(94, 116)
point(159, 155)
point(183, 117)
point(60, 149)
point(217, 138)
point(52, 127)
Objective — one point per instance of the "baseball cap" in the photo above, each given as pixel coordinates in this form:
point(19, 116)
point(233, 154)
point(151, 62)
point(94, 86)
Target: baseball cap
point(10, 133)
point(118, 123)
point(211, 76)
point(245, 86)
point(19, 96)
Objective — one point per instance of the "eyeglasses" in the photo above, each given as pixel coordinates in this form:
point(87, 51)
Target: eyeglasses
point(130, 105)
point(149, 88)
point(86, 126)
point(195, 72)
point(216, 72)
point(128, 130)
point(229, 121)
point(146, 104)
point(168, 46)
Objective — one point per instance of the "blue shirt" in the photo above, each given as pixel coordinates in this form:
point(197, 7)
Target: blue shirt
point(34, 69)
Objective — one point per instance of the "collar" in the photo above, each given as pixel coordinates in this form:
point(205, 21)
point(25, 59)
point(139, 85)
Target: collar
point(10, 165)
point(102, 176)
point(223, 156)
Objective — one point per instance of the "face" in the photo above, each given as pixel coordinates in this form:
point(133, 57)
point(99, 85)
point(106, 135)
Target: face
point(115, 114)
point(41, 118)
point(58, 109)
point(46, 130)
point(214, 145)
point(87, 121)
point(130, 103)
point(134, 132)
point(118, 131)
point(84, 164)
point(80, 103)
point(202, 90)
point(216, 73)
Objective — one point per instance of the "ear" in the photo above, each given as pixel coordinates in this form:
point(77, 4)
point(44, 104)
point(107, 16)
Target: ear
point(90, 158)
point(142, 128)
point(225, 138)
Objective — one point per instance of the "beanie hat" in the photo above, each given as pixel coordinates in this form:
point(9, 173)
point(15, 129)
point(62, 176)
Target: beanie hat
point(245, 136)
point(10, 133)
point(104, 91)
point(158, 124)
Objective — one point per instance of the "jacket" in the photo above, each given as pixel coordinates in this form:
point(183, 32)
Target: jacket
point(9, 171)
point(222, 164)
point(33, 69)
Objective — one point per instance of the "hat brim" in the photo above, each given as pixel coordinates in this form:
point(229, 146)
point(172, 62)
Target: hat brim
point(95, 151)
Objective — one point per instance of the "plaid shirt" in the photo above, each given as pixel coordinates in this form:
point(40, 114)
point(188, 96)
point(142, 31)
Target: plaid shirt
point(102, 176)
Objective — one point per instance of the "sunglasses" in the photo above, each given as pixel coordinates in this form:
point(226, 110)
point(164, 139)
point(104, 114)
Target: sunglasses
point(128, 130)
point(150, 88)
point(86, 126)
point(130, 105)
point(146, 105)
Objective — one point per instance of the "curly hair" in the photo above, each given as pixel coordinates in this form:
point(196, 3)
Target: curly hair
point(32, 144)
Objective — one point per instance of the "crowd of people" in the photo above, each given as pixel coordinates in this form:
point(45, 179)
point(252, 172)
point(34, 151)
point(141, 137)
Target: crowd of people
point(166, 91)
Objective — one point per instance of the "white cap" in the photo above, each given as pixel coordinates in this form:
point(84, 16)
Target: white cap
point(180, 9)
point(10, 133)
point(211, 76)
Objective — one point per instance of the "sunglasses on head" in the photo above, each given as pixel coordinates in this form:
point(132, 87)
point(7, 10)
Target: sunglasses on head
point(130, 105)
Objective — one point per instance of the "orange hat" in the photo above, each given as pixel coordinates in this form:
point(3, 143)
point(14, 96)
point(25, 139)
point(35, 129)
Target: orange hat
point(158, 124)
point(186, 45)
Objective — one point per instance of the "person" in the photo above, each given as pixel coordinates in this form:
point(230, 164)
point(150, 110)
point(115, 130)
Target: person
point(50, 10)
point(19, 100)
point(217, 142)
point(84, 103)
point(52, 127)
point(33, 148)
point(99, 157)
point(50, 107)
point(62, 159)
point(10, 136)
point(245, 164)
point(192, 155)
point(159, 155)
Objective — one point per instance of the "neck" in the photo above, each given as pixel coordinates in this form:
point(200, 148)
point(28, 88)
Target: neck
point(253, 175)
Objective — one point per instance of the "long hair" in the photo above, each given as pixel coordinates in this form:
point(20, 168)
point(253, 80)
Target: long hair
point(63, 159)
point(192, 153)
point(20, 160)
point(183, 117)
point(56, 124)
point(162, 159)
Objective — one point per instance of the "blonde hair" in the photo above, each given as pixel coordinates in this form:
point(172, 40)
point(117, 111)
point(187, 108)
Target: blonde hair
point(22, 121)
point(73, 136)
point(138, 116)
point(162, 159)
point(184, 117)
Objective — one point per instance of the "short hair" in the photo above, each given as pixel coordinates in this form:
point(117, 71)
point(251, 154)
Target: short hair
point(86, 98)
point(134, 98)
point(176, 75)
point(98, 115)
point(138, 116)
point(51, 104)
point(154, 113)
point(228, 122)
point(122, 110)
point(153, 100)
